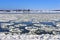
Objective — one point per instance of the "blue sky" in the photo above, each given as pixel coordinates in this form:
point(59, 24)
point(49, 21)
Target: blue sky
point(30, 4)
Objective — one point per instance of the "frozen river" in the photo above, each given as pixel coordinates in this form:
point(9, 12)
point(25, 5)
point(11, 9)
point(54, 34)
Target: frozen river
point(29, 17)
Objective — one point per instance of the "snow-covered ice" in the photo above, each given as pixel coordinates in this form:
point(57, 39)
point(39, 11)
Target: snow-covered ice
point(29, 37)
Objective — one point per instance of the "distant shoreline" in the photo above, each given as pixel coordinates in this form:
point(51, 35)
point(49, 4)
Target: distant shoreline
point(28, 11)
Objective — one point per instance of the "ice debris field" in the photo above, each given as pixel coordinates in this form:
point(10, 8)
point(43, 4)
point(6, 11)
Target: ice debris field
point(35, 31)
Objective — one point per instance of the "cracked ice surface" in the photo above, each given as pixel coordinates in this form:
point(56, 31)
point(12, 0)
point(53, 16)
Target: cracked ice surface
point(29, 37)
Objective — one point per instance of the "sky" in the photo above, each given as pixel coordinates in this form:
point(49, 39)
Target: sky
point(30, 4)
